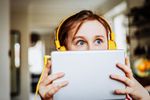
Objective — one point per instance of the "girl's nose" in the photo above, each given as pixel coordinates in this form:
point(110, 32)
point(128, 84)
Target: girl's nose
point(91, 47)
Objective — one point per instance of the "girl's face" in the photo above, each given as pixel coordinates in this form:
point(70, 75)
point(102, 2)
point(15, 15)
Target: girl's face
point(92, 35)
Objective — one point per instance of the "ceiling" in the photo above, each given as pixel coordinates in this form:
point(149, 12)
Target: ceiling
point(44, 15)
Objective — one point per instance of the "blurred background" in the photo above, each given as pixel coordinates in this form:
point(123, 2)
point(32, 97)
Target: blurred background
point(27, 30)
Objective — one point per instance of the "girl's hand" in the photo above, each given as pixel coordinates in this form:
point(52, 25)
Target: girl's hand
point(133, 87)
point(46, 88)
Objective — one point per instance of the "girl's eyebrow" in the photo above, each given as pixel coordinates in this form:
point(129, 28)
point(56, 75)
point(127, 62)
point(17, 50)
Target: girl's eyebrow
point(78, 37)
point(99, 36)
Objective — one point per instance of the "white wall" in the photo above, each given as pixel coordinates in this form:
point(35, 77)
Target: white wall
point(4, 47)
point(19, 21)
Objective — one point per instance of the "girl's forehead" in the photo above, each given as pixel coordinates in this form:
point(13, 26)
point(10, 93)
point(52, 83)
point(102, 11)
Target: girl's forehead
point(91, 27)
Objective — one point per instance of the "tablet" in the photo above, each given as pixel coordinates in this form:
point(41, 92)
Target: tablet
point(88, 73)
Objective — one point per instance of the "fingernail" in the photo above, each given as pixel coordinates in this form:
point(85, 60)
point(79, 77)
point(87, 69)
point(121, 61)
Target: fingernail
point(112, 76)
point(116, 91)
point(117, 64)
point(61, 73)
point(66, 82)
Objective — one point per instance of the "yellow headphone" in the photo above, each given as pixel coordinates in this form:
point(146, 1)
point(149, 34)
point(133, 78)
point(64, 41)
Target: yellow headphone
point(111, 38)
point(57, 42)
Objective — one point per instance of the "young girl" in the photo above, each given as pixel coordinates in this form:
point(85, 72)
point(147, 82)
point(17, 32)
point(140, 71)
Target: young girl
point(88, 31)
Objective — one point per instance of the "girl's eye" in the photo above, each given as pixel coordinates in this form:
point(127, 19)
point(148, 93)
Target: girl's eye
point(80, 42)
point(98, 41)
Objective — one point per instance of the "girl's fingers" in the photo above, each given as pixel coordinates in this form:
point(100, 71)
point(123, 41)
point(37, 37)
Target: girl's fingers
point(124, 79)
point(52, 89)
point(53, 77)
point(126, 70)
point(46, 69)
point(128, 97)
point(127, 90)
point(127, 63)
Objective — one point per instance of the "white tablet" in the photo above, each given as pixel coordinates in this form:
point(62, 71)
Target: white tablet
point(88, 73)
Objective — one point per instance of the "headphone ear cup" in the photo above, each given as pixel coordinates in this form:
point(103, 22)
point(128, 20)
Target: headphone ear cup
point(58, 47)
point(112, 45)
point(62, 48)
